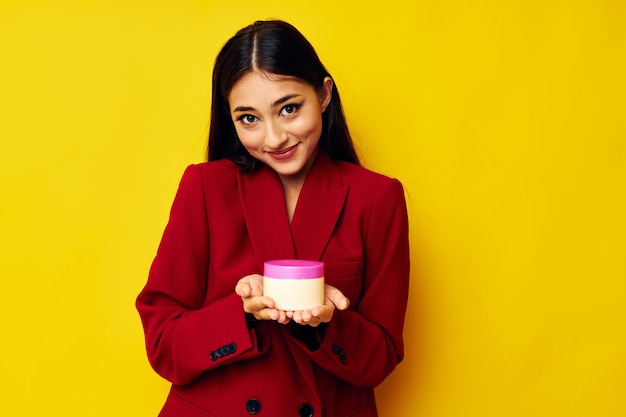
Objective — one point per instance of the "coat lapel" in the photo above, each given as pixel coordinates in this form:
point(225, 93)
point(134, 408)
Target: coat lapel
point(319, 205)
point(265, 212)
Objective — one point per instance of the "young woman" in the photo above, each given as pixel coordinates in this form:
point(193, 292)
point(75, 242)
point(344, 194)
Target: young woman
point(283, 182)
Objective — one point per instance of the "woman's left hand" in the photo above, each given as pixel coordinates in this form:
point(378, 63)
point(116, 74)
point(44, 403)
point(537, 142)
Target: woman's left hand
point(333, 299)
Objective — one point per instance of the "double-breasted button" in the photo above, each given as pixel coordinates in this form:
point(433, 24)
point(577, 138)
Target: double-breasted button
point(339, 351)
point(305, 410)
point(253, 406)
point(223, 351)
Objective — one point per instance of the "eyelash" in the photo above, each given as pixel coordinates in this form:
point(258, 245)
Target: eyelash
point(295, 106)
point(241, 119)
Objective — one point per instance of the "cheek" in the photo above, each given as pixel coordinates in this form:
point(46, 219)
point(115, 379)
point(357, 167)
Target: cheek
point(309, 127)
point(250, 139)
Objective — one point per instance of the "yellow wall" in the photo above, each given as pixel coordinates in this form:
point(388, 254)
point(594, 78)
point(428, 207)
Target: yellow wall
point(504, 119)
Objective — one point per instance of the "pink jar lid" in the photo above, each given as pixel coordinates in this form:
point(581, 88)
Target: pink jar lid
point(293, 269)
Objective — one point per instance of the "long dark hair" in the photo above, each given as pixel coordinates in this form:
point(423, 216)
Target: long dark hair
point(275, 47)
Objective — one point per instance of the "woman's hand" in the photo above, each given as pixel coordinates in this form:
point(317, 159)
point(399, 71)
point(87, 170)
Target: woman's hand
point(333, 299)
point(250, 289)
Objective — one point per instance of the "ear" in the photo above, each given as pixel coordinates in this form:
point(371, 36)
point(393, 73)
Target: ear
point(326, 93)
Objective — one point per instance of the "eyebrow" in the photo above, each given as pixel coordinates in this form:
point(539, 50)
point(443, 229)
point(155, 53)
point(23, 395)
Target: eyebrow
point(274, 104)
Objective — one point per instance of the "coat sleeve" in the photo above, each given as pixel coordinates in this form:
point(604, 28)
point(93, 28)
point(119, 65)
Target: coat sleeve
point(183, 336)
point(364, 345)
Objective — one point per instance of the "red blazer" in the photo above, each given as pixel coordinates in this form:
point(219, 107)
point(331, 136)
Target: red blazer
point(223, 225)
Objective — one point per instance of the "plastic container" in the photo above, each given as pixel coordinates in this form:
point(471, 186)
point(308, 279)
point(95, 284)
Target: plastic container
point(294, 284)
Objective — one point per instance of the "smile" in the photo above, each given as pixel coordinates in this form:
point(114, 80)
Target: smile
point(284, 153)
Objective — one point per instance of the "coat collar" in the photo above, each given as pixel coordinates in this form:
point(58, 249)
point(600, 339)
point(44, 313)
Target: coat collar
point(319, 205)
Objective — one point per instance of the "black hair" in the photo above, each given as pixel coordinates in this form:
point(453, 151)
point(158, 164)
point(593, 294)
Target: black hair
point(274, 47)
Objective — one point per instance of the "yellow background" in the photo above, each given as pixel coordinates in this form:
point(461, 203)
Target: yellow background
point(505, 120)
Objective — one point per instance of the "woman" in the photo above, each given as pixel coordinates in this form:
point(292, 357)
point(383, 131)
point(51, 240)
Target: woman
point(283, 182)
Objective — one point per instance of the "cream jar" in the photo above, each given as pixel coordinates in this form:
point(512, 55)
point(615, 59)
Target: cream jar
point(294, 284)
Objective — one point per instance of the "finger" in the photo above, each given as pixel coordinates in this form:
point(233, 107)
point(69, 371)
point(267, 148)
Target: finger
point(250, 285)
point(306, 316)
point(322, 313)
point(297, 317)
point(255, 304)
point(309, 320)
point(317, 311)
point(282, 317)
point(243, 288)
point(336, 297)
point(342, 304)
point(256, 287)
point(267, 314)
point(314, 323)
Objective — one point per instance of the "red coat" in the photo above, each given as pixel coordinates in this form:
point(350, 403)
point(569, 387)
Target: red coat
point(223, 225)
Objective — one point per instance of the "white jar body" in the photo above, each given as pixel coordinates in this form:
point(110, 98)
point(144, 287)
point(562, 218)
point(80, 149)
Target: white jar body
point(294, 294)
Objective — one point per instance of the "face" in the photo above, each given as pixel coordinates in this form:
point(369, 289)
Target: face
point(279, 120)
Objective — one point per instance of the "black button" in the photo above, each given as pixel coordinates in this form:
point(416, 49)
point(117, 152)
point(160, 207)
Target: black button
point(338, 350)
point(213, 356)
point(253, 406)
point(306, 410)
point(232, 348)
point(224, 350)
point(219, 353)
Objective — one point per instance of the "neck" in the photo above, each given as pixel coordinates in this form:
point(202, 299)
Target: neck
point(292, 184)
point(291, 188)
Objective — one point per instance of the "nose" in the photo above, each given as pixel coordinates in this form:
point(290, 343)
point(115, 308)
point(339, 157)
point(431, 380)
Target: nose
point(275, 135)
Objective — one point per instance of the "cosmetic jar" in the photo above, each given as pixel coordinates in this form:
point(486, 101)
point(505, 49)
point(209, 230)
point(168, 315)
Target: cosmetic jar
point(294, 284)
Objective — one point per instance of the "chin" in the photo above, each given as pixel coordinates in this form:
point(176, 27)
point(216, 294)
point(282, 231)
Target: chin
point(288, 171)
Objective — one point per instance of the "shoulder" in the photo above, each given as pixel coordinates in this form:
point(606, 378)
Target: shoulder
point(375, 198)
point(208, 178)
point(365, 180)
point(215, 172)
point(221, 167)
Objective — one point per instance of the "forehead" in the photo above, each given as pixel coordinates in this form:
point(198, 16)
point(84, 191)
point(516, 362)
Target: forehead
point(263, 89)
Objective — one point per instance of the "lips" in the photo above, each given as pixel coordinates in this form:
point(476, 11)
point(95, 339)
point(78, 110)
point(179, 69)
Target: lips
point(284, 153)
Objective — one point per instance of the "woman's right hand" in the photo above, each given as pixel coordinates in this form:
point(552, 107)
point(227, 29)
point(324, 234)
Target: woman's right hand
point(250, 289)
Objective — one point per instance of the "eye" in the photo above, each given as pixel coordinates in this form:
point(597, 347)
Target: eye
point(290, 109)
point(247, 119)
